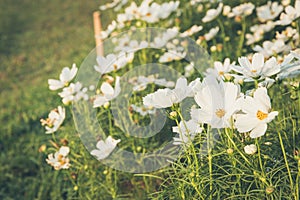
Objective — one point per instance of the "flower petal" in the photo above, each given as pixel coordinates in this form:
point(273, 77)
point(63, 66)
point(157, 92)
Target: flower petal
point(259, 130)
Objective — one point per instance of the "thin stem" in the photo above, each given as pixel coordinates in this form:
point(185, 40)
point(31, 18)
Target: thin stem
point(234, 145)
point(242, 38)
point(285, 160)
point(259, 157)
point(209, 149)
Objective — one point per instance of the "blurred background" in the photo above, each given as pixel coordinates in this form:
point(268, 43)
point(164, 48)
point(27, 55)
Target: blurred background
point(37, 39)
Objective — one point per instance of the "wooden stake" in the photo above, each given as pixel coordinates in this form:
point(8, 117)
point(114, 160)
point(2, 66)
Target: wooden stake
point(97, 31)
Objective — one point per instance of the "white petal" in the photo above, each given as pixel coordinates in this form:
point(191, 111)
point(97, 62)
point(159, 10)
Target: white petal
point(245, 123)
point(231, 92)
point(248, 105)
point(64, 150)
point(201, 116)
point(257, 61)
point(244, 62)
point(262, 98)
point(55, 84)
point(271, 116)
point(99, 101)
point(259, 130)
point(117, 87)
point(107, 89)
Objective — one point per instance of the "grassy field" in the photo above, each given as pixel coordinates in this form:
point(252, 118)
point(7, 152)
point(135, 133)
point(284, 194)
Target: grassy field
point(37, 39)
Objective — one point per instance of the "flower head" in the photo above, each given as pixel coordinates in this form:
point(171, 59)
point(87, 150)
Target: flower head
point(217, 101)
point(258, 68)
point(211, 14)
point(59, 160)
point(269, 11)
point(256, 113)
point(164, 98)
point(250, 149)
point(104, 148)
point(187, 130)
point(73, 93)
point(108, 93)
point(54, 120)
point(65, 77)
point(221, 70)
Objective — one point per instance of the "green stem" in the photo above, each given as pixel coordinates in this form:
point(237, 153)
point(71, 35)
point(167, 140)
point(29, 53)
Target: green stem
point(209, 149)
point(286, 161)
point(259, 157)
point(242, 38)
point(236, 148)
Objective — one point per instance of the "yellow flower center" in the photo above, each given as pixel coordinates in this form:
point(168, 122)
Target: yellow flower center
point(261, 115)
point(221, 73)
point(254, 70)
point(220, 113)
point(61, 159)
point(47, 122)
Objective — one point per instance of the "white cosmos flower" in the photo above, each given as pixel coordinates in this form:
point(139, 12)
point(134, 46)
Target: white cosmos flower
point(211, 14)
point(263, 28)
point(171, 55)
point(191, 31)
point(271, 48)
point(164, 98)
point(113, 62)
point(217, 101)
point(296, 53)
point(65, 77)
point(269, 11)
point(127, 44)
point(146, 12)
point(288, 33)
point(258, 31)
point(257, 113)
point(211, 33)
point(55, 118)
point(140, 83)
point(250, 149)
point(115, 3)
point(108, 93)
point(187, 130)
point(161, 40)
point(73, 93)
point(104, 148)
point(221, 70)
point(226, 10)
point(143, 110)
point(258, 68)
point(59, 160)
point(189, 69)
point(253, 38)
point(244, 9)
point(291, 13)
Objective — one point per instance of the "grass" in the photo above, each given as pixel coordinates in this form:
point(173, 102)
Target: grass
point(37, 39)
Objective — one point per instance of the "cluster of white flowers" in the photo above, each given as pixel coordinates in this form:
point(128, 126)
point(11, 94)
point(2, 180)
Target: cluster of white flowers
point(71, 92)
point(143, 110)
point(148, 11)
point(112, 62)
point(116, 4)
point(140, 83)
point(108, 93)
point(219, 102)
point(221, 106)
